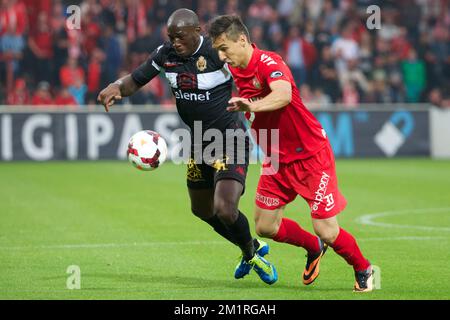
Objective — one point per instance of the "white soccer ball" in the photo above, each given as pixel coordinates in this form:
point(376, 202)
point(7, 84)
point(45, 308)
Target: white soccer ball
point(147, 150)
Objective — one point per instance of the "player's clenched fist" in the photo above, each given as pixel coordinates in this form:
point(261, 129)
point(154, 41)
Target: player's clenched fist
point(109, 95)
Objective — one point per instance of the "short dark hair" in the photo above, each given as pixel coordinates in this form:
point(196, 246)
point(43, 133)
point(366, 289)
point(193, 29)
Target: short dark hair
point(231, 25)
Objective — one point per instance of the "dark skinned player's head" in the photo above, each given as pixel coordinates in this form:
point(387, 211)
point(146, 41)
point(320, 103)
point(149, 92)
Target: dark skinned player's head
point(184, 31)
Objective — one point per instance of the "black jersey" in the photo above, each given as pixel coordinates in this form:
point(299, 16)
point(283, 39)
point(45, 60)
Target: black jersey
point(200, 83)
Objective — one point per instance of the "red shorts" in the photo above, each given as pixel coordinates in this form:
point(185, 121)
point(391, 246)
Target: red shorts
point(313, 178)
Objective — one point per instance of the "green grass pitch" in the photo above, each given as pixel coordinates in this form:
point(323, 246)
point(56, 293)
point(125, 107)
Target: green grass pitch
point(133, 237)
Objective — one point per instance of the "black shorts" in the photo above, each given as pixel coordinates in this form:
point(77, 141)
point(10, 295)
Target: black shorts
point(232, 163)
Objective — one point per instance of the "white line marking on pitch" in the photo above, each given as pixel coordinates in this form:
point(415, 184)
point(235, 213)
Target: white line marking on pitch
point(182, 243)
point(368, 219)
point(406, 238)
point(365, 219)
point(114, 245)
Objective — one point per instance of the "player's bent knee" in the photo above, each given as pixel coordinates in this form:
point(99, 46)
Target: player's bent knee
point(226, 211)
point(327, 236)
point(266, 230)
point(327, 230)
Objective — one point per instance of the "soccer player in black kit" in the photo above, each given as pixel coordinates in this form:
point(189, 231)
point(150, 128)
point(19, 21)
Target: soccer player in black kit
point(202, 88)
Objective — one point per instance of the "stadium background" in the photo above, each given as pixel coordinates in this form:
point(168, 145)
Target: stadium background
point(332, 54)
point(382, 95)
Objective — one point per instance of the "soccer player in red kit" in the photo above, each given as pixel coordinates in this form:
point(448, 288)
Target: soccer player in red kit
point(306, 162)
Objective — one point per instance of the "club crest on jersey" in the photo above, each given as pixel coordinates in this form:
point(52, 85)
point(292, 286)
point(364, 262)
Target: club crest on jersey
point(256, 83)
point(201, 64)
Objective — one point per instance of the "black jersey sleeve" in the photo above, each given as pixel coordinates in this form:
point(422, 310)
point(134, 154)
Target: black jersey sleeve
point(150, 68)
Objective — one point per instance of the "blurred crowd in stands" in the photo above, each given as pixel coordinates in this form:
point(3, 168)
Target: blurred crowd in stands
point(333, 56)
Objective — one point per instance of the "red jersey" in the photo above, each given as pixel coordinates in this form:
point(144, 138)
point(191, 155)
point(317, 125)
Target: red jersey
point(300, 133)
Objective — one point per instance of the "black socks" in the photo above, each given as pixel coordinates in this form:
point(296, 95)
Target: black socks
point(220, 228)
point(237, 233)
point(240, 230)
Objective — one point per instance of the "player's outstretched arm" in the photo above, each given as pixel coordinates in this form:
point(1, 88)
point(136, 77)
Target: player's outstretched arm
point(123, 87)
point(280, 96)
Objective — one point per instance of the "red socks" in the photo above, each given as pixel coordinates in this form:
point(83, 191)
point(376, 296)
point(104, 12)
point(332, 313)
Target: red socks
point(290, 232)
point(345, 245)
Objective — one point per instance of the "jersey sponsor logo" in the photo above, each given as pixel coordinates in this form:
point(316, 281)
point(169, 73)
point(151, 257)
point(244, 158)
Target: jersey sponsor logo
point(321, 191)
point(201, 64)
point(268, 201)
point(267, 60)
point(256, 83)
point(276, 74)
point(192, 96)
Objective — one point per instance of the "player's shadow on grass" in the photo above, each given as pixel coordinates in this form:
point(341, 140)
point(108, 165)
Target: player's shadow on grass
point(188, 281)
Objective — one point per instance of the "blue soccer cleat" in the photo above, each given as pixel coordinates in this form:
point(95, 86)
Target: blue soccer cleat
point(243, 268)
point(265, 270)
